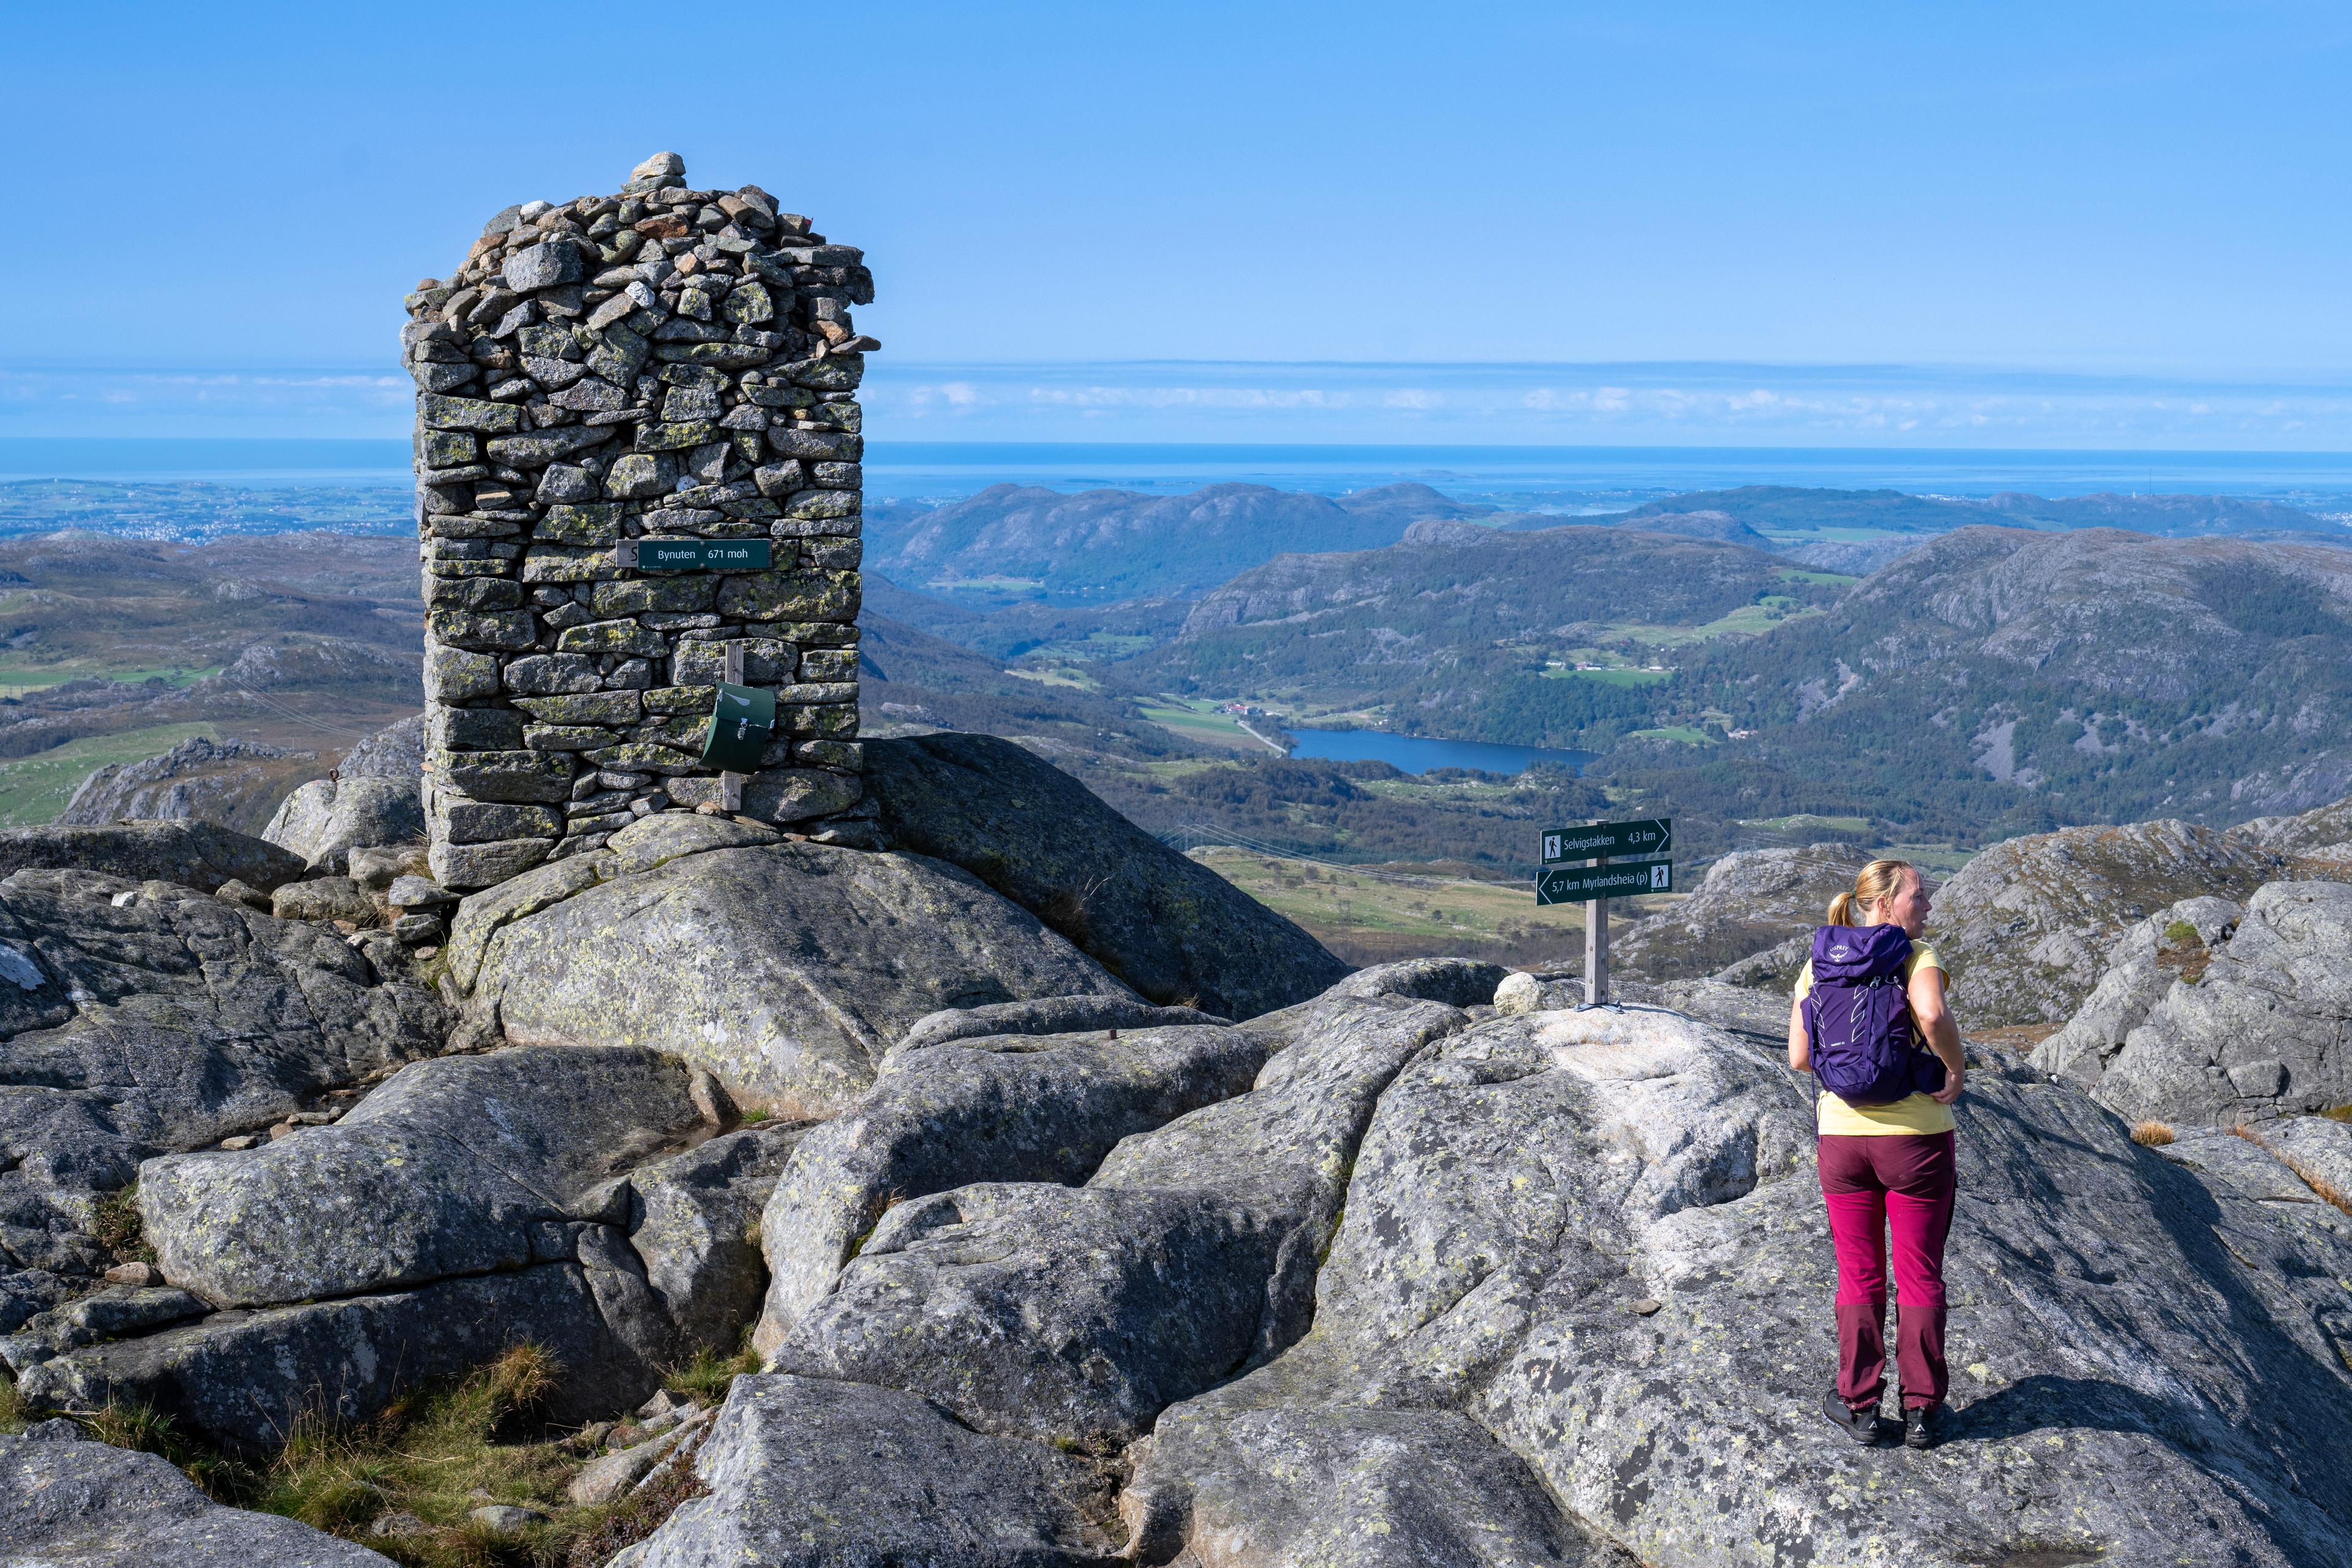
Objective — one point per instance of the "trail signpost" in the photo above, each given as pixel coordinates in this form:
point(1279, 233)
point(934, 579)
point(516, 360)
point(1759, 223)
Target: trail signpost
point(1559, 881)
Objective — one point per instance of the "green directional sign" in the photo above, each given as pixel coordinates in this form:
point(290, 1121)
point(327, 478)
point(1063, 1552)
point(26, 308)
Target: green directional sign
point(1654, 836)
point(701, 555)
point(742, 722)
point(1582, 884)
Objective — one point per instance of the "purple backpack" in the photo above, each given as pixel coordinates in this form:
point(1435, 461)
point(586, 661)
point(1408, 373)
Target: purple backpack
point(1858, 1017)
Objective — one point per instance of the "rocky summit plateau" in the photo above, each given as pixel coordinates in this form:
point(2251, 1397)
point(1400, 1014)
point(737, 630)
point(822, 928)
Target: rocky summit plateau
point(1052, 1202)
point(559, 1139)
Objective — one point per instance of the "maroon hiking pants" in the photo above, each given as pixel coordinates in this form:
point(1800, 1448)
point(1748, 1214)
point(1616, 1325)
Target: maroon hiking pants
point(1870, 1183)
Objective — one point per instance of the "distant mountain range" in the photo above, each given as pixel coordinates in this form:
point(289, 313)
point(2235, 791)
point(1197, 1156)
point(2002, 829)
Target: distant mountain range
point(1754, 509)
point(1012, 541)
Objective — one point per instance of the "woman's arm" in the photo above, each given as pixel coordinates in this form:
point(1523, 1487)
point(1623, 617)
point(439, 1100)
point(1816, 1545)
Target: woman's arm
point(1934, 1020)
point(1800, 1046)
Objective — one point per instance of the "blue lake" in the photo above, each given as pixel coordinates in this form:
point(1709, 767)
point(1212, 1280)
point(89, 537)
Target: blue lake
point(1419, 753)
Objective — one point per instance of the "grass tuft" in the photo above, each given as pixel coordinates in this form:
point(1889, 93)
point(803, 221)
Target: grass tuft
point(710, 1375)
point(12, 1407)
point(116, 1225)
point(2152, 1133)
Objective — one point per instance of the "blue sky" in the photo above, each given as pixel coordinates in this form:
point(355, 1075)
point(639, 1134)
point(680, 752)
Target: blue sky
point(1975, 224)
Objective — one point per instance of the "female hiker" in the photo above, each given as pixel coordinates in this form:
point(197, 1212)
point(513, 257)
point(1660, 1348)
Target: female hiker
point(1868, 999)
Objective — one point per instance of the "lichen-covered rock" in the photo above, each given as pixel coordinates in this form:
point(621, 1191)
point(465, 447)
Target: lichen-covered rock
point(806, 1473)
point(1457, 981)
point(692, 1220)
point(199, 855)
point(2318, 1149)
point(1006, 1109)
point(1172, 928)
point(458, 1165)
point(784, 968)
point(1599, 1237)
point(1344, 1487)
point(2174, 943)
point(1077, 1314)
point(137, 1019)
point(1045, 1015)
point(68, 1503)
point(2024, 929)
point(2263, 1030)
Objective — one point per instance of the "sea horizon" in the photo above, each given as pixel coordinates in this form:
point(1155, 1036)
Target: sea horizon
point(1566, 477)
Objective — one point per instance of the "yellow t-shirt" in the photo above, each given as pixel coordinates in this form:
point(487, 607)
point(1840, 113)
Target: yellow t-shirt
point(1914, 1112)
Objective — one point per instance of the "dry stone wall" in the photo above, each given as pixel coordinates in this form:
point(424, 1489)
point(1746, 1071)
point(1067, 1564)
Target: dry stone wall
point(663, 364)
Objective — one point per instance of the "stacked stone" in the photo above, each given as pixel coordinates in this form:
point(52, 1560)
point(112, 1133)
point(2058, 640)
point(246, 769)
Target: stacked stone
point(662, 363)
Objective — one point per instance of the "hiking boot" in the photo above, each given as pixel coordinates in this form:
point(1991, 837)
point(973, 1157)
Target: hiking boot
point(1862, 1426)
point(1920, 1423)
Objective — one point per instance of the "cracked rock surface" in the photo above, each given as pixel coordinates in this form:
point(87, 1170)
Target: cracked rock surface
point(1559, 1296)
point(138, 1018)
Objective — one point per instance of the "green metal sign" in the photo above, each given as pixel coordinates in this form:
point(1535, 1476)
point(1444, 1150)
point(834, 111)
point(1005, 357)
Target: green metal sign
point(1582, 884)
point(741, 725)
point(702, 555)
point(1653, 835)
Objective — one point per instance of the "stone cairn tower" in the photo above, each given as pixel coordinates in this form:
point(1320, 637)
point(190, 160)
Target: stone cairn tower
point(637, 456)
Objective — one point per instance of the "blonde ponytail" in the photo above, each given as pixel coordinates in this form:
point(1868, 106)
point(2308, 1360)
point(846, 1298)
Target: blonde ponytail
point(1873, 883)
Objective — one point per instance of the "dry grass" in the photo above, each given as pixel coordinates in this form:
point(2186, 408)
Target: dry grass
point(116, 1225)
point(2152, 1133)
point(433, 1454)
point(2321, 1187)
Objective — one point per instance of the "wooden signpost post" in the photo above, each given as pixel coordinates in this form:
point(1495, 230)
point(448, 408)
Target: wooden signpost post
point(1596, 881)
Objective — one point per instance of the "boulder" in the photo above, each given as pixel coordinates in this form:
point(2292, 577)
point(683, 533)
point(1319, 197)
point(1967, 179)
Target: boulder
point(2024, 928)
point(1749, 900)
point(1007, 1108)
point(245, 1380)
point(2176, 942)
point(1597, 1233)
point(1073, 1315)
point(1169, 927)
point(325, 819)
point(786, 968)
point(806, 1473)
point(1046, 1015)
point(199, 855)
point(2261, 1032)
point(68, 1503)
point(396, 753)
point(325, 899)
point(458, 1165)
point(693, 1220)
point(1457, 981)
point(137, 1019)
